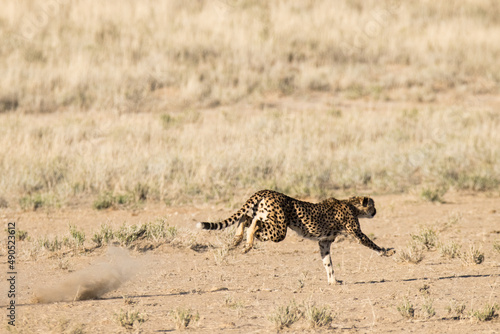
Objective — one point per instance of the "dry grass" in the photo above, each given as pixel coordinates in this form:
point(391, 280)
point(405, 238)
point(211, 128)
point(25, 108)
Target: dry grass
point(406, 309)
point(128, 319)
point(285, 316)
point(472, 256)
point(184, 317)
point(57, 158)
point(411, 254)
point(143, 55)
point(76, 76)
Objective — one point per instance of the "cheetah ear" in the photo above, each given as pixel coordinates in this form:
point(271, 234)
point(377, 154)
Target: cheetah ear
point(365, 201)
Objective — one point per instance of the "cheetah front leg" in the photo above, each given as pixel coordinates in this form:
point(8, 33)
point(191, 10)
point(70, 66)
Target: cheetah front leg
point(364, 240)
point(324, 249)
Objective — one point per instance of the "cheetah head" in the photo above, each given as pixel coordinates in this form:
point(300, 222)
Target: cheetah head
point(365, 206)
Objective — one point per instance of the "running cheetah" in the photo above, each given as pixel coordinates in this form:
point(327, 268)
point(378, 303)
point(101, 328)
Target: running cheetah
point(268, 214)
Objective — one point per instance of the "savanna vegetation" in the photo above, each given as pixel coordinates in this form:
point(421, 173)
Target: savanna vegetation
point(124, 101)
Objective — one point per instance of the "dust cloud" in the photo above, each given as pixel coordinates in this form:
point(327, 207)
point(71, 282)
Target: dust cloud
point(116, 268)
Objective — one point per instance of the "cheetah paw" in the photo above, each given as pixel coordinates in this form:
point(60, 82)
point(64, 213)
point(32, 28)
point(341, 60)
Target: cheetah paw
point(388, 252)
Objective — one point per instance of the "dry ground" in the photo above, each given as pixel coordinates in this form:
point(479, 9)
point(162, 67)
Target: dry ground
point(178, 111)
point(237, 293)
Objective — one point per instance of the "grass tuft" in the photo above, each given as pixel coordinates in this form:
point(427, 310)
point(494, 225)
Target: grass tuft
point(184, 317)
point(428, 308)
point(129, 319)
point(456, 310)
point(406, 309)
point(285, 316)
point(411, 254)
point(427, 237)
point(22, 235)
point(450, 250)
point(487, 313)
point(434, 194)
point(104, 236)
point(472, 256)
point(107, 200)
point(318, 316)
point(496, 246)
point(78, 236)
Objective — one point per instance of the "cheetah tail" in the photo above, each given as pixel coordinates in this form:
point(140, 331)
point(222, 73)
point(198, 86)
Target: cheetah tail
point(215, 226)
point(247, 209)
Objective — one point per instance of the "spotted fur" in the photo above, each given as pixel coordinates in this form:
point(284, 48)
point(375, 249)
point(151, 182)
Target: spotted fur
point(268, 215)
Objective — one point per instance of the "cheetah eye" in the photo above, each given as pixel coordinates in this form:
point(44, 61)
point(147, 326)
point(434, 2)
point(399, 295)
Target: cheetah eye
point(365, 201)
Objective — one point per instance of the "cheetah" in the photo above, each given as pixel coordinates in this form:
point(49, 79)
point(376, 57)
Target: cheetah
point(268, 214)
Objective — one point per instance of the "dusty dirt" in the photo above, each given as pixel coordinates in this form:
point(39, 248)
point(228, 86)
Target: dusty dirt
point(238, 294)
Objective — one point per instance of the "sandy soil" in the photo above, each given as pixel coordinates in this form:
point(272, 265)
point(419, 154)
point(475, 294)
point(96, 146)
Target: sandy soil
point(238, 292)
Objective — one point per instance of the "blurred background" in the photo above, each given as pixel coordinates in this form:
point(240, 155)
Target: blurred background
point(116, 103)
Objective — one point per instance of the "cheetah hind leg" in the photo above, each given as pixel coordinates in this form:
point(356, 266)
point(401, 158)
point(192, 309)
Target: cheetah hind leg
point(238, 237)
point(251, 234)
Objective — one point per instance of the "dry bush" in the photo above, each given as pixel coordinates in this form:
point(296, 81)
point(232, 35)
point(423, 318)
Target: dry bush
point(451, 250)
point(318, 316)
point(487, 313)
point(472, 256)
point(427, 237)
point(285, 316)
point(456, 309)
point(428, 310)
point(406, 309)
point(414, 253)
point(184, 317)
point(496, 246)
point(128, 319)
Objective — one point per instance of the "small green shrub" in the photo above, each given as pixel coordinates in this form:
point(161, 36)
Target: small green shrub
point(472, 256)
point(496, 246)
point(318, 316)
point(285, 316)
point(128, 234)
point(78, 236)
point(159, 230)
point(104, 236)
point(230, 302)
point(21, 235)
point(103, 202)
point(427, 237)
point(457, 310)
point(489, 312)
point(128, 319)
point(107, 200)
point(412, 254)
point(450, 250)
point(184, 317)
point(428, 309)
point(406, 309)
point(167, 120)
point(37, 201)
point(51, 245)
point(434, 194)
